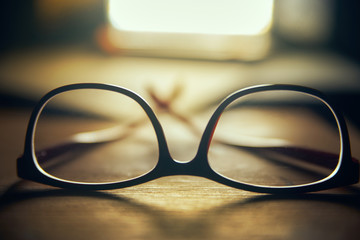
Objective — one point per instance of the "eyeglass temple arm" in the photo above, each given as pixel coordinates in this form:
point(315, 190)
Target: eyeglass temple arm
point(316, 157)
point(85, 140)
point(52, 152)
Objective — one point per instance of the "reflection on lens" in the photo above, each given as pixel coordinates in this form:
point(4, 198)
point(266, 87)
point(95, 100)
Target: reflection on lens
point(95, 136)
point(276, 138)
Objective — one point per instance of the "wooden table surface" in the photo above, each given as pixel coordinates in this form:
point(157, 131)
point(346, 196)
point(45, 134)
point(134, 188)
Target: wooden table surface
point(177, 207)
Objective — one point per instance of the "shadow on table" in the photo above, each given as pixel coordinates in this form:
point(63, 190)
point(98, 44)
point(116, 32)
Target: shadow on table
point(203, 224)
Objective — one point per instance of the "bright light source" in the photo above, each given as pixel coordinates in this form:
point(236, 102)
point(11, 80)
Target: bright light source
point(226, 17)
point(205, 29)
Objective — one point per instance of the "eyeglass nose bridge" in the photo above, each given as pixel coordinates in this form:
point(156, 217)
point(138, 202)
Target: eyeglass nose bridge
point(168, 166)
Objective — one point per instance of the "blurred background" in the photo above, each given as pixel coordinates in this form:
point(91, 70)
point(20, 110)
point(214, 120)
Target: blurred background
point(209, 48)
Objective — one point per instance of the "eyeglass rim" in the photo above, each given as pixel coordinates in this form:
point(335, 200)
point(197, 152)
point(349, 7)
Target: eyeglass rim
point(345, 173)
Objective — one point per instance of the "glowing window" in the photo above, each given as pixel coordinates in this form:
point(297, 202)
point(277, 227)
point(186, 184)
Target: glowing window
point(226, 17)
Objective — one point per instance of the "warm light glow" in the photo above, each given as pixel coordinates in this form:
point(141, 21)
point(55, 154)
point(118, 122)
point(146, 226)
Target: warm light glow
point(227, 17)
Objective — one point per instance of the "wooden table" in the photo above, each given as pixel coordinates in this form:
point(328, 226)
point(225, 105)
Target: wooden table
point(177, 207)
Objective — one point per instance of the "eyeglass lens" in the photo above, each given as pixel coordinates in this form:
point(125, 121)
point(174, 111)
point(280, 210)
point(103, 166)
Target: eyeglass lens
point(276, 138)
point(95, 136)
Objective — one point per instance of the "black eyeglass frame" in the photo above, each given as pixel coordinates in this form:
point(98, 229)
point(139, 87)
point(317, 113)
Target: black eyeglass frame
point(345, 173)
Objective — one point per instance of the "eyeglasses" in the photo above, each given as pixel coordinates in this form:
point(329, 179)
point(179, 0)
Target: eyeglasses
point(96, 136)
